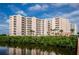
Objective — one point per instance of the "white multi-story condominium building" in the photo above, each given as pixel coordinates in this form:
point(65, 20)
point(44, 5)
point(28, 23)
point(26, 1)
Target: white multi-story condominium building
point(20, 25)
point(59, 25)
point(35, 26)
point(74, 27)
point(30, 26)
point(17, 25)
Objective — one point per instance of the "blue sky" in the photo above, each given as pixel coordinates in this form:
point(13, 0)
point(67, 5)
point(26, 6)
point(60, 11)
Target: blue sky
point(40, 10)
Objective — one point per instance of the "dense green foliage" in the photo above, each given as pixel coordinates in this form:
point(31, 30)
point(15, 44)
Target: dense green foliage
point(62, 41)
point(3, 35)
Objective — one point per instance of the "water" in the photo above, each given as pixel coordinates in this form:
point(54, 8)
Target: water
point(35, 50)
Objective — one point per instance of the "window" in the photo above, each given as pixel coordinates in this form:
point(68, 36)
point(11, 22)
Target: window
point(56, 25)
point(14, 28)
point(14, 33)
point(14, 23)
point(14, 17)
point(23, 18)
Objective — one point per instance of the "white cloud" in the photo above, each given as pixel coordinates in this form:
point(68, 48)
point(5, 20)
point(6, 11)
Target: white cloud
point(51, 15)
point(13, 8)
point(44, 6)
point(45, 15)
point(17, 10)
point(69, 15)
point(39, 7)
point(4, 29)
point(21, 12)
point(7, 21)
point(36, 7)
point(3, 18)
point(74, 5)
point(3, 25)
point(58, 4)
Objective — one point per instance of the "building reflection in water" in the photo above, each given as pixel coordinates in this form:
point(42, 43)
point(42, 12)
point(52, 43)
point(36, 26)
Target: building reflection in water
point(33, 51)
point(78, 47)
point(26, 51)
point(52, 53)
point(15, 51)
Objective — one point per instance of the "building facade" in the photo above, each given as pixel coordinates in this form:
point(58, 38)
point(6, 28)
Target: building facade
point(17, 25)
point(59, 26)
point(32, 26)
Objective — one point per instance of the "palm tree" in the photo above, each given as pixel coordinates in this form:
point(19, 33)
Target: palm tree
point(53, 30)
point(48, 33)
point(32, 32)
point(61, 31)
point(72, 31)
point(78, 34)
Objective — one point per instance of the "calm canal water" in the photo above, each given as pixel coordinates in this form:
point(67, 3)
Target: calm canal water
point(8, 50)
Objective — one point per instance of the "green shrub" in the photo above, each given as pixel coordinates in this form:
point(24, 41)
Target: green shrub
point(41, 40)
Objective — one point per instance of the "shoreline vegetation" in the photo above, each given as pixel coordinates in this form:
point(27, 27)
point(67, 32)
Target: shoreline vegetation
point(56, 41)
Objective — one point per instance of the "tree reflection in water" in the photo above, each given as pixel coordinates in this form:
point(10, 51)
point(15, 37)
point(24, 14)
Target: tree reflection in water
point(38, 50)
point(30, 51)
